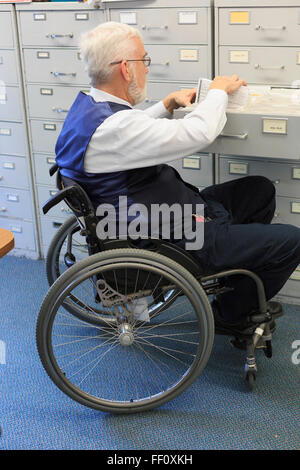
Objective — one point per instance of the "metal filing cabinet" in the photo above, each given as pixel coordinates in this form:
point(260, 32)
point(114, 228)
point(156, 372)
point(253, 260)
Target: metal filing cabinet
point(267, 145)
point(258, 40)
point(177, 36)
point(17, 212)
point(54, 75)
point(252, 143)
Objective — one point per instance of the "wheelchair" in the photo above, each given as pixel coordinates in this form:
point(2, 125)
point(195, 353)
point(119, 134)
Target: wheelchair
point(124, 329)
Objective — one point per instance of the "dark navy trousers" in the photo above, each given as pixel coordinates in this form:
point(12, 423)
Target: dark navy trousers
point(240, 236)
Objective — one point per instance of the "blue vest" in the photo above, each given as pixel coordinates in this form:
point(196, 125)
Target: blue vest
point(151, 185)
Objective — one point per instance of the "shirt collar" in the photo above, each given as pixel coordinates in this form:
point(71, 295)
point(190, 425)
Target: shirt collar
point(100, 96)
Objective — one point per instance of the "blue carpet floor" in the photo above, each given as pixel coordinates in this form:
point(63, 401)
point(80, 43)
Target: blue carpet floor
point(216, 412)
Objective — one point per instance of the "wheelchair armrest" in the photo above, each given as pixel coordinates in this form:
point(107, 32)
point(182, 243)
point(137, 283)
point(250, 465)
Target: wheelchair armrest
point(56, 199)
point(53, 169)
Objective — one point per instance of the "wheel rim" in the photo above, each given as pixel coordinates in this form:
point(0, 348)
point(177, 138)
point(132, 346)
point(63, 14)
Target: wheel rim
point(152, 362)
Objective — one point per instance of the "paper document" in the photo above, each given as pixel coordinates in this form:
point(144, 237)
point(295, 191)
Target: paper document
point(238, 99)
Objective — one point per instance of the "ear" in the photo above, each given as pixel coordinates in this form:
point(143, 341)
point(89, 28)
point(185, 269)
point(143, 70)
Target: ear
point(125, 71)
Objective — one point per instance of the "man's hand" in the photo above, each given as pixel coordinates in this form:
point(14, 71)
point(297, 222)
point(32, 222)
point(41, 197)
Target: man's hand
point(179, 99)
point(228, 84)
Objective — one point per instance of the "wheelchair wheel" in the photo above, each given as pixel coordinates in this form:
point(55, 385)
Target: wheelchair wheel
point(67, 238)
point(68, 247)
point(126, 366)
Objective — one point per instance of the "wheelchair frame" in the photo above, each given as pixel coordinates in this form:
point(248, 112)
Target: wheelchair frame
point(209, 284)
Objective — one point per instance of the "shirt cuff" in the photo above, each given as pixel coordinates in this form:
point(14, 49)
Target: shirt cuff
point(215, 92)
point(158, 110)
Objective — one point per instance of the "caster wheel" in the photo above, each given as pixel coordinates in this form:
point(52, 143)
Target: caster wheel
point(250, 378)
point(268, 349)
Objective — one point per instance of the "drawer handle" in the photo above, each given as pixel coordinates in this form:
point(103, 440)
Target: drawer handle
point(60, 110)
point(166, 64)
point(54, 36)
point(3, 209)
point(275, 181)
point(63, 74)
point(261, 67)
point(260, 27)
point(155, 27)
point(235, 136)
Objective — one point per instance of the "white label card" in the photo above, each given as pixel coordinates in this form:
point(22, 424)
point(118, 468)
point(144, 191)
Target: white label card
point(128, 17)
point(191, 162)
point(49, 127)
point(46, 91)
point(295, 207)
point(240, 57)
point(12, 197)
point(8, 165)
point(15, 229)
point(187, 17)
point(39, 16)
point(43, 55)
point(296, 173)
point(274, 126)
point(81, 16)
point(5, 131)
point(238, 168)
point(189, 55)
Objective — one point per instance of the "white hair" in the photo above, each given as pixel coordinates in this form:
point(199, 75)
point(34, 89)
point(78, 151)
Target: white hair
point(108, 42)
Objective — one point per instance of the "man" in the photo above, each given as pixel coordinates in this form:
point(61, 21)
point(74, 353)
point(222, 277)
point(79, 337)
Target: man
point(113, 150)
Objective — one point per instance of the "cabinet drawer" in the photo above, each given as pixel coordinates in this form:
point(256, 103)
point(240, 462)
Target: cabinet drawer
point(44, 135)
point(49, 227)
point(285, 176)
point(196, 169)
point(10, 104)
point(8, 67)
point(6, 30)
point(253, 135)
point(287, 211)
point(12, 138)
point(55, 66)
point(259, 26)
point(181, 62)
point(13, 172)
point(61, 210)
point(15, 203)
point(167, 25)
point(262, 65)
point(23, 232)
point(57, 28)
point(42, 164)
point(51, 102)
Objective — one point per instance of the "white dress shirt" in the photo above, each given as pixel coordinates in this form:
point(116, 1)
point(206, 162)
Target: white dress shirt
point(136, 138)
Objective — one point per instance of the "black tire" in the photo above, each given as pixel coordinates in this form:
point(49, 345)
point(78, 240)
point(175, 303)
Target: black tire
point(133, 353)
point(55, 265)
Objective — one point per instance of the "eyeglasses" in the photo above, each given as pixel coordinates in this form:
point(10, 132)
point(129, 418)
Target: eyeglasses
point(146, 60)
